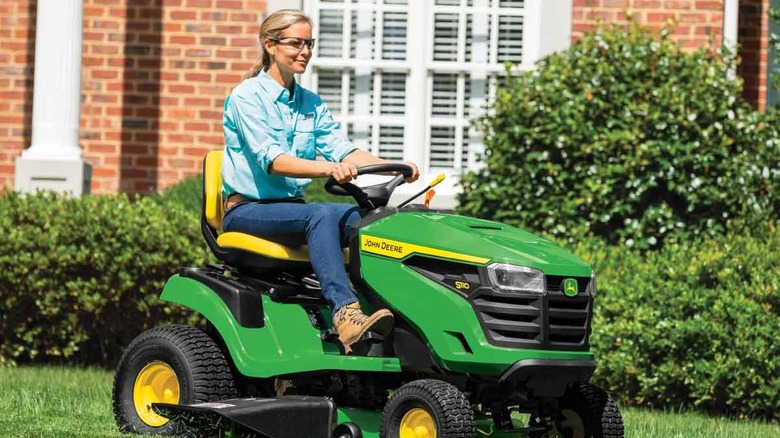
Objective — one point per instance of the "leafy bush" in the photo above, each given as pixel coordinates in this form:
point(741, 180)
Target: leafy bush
point(188, 193)
point(691, 327)
point(626, 137)
point(79, 278)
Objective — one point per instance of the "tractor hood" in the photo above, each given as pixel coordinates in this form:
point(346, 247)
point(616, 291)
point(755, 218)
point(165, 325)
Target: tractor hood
point(467, 239)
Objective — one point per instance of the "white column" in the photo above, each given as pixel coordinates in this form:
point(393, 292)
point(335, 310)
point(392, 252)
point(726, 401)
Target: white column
point(546, 29)
point(53, 161)
point(731, 28)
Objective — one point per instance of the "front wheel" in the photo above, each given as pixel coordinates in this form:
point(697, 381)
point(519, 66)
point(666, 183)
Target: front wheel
point(427, 408)
point(586, 411)
point(177, 365)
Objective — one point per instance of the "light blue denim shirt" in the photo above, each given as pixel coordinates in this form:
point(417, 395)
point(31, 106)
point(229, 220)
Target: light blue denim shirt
point(261, 122)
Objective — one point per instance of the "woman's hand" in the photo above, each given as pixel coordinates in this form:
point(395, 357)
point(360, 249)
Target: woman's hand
point(415, 172)
point(343, 172)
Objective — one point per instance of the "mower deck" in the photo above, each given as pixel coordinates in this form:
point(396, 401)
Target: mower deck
point(285, 417)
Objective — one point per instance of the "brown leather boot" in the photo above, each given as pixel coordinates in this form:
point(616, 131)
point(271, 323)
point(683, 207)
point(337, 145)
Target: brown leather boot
point(352, 324)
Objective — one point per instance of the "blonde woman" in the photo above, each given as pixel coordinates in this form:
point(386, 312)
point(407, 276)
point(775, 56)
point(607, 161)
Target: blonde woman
point(273, 129)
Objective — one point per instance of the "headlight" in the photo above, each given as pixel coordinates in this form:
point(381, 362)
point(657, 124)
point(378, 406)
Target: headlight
point(516, 278)
point(591, 289)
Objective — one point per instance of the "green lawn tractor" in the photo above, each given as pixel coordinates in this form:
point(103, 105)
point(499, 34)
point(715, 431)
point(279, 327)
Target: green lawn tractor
point(490, 338)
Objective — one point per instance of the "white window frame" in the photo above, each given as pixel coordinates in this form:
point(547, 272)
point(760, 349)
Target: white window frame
point(546, 28)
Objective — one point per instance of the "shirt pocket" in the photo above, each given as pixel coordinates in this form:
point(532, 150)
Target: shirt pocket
point(304, 143)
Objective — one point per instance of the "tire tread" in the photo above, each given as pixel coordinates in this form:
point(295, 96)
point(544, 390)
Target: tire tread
point(212, 377)
point(451, 405)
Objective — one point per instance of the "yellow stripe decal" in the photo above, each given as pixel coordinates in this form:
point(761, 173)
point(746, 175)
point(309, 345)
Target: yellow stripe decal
point(399, 250)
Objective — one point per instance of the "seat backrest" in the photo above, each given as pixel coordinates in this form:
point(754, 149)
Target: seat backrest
point(213, 207)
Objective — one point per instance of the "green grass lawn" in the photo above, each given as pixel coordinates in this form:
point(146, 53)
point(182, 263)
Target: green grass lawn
point(68, 402)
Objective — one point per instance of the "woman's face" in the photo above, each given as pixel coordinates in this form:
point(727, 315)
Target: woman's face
point(292, 49)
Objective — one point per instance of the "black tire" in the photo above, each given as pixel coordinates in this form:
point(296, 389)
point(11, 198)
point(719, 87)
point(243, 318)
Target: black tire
point(445, 404)
point(586, 412)
point(201, 369)
point(347, 430)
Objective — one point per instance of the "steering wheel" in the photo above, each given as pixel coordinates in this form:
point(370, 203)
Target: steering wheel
point(371, 197)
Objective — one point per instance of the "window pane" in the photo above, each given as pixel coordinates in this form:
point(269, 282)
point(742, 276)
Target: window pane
point(511, 3)
point(442, 146)
point(478, 38)
point(394, 35)
point(361, 94)
point(445, 95)
point(393, 100)
point(445, 37)
point(510, 38)
point(448, 2)
point(360, 135)
point(363, 36)
point(482, 3)
point(330, 34)
point(329, 86)
point(391, 142)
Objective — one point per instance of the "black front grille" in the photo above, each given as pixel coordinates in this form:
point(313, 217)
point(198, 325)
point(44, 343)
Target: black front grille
point(552, 321)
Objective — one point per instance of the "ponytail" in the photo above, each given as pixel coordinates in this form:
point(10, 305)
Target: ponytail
point(257, 68)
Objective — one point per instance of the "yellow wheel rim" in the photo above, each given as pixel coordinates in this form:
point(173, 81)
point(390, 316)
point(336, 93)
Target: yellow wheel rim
point(417, 423)
point(156, 383)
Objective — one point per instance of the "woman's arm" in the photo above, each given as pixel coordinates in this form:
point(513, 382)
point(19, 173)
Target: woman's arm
point(287, 165)
point(344, 171)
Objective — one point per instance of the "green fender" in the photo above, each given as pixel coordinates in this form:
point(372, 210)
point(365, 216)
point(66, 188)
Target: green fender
point(287, 342)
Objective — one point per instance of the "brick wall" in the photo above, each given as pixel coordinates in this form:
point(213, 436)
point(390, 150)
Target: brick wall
point(17, 57)
point(699, 23)
point(154, 77)
point(154, 81)
point(754, 44)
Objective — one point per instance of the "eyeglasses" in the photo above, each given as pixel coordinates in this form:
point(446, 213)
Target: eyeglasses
point(295, 42)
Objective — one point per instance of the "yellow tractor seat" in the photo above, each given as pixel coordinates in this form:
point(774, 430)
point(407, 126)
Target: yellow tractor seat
point(241, 249)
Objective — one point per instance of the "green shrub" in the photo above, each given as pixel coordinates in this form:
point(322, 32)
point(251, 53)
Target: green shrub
point(79, 278)
point(187, 193)
point(626, 137)
point(691, 327)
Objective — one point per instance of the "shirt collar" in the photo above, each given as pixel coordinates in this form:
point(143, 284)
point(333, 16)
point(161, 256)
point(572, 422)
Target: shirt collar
point(278, 92)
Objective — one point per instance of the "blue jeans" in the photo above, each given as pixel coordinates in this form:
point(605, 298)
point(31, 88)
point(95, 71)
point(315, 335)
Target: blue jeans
point(326, 227)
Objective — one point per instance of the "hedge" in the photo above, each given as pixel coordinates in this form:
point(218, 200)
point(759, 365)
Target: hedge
point(694, 326)
point(627, 137)
point(79, 278)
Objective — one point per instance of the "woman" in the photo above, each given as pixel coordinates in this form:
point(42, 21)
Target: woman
point(273, 129)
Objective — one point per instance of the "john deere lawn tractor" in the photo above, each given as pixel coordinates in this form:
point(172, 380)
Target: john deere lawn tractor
point(490, 339)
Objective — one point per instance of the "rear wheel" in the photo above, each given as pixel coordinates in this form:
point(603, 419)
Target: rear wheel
point(586, 411)
point(176, 364)
point(427, 409)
